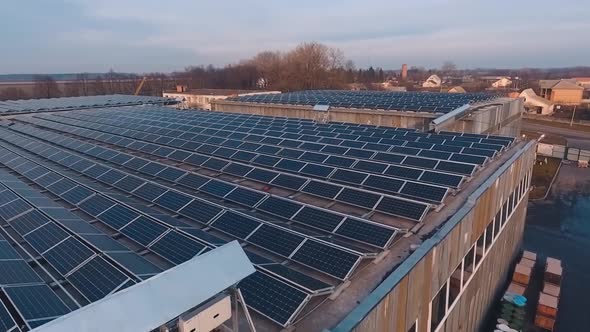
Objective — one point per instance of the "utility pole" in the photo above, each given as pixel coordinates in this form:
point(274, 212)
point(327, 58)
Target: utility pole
point(573, 114)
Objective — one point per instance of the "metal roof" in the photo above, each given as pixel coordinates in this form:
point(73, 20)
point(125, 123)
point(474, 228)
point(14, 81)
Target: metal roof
point(155, 301)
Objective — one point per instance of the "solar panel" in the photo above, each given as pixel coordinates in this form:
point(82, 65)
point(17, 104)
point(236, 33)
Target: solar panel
point(402, 208)
point(261, 175)
point(272, 298)
point(36, 301)
point(143, 230)
point(290, 165)
point(134, 263)
point(317, 170)
point(129, 183)
point(296, 277)
point(358, 198)
point(28, 222)
point(424, 191)
point(289, 181)
point(118, 216)
point(335, 262)
point(173, 201)
point(96, 279)
point(200, 211)
point(276, 240)
point(193, 181)
point(383, 184)
point(45, 237)
point(217, 188)
point(7, 251)
point(346, 176)
point(235, 224)
point(104, 242)
point(237, 169)
point(245, 197)
point(96, 205)
point(420, 162)
point(176, 248)
point(367, 232)
point(318, 218)
point(322, 189)
point(76, 195)
point(456, 167)
point(6, 321)
point(65, 256)
point(15, 272)
point(279, 207)
point(111, 176)
point(13, 209)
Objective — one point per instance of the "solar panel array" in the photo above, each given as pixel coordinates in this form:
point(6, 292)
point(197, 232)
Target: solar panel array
point(56, 104)
point(165, 185)
point(433, 102)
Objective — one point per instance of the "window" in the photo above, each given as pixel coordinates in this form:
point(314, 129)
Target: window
point(489, 236)
point(504, 212)
point(479, 249)
point(497, 225)
point(455, 284)
point(468, 265)
point(438, 308)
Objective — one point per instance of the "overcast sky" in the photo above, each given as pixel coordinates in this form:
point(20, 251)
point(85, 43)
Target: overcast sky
point(64, 36)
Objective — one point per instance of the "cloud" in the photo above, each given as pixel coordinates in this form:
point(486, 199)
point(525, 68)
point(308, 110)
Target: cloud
point(133, 33)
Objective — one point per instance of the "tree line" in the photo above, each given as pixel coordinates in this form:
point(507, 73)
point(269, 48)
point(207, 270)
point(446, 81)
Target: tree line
point(307, 66)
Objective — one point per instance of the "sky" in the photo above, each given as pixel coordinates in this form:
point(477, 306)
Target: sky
point(69, 36)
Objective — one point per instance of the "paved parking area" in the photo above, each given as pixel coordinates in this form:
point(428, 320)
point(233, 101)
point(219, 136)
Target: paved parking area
point(560, 227)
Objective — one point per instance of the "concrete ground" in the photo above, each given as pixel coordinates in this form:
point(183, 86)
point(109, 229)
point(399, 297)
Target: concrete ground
point(560, 227)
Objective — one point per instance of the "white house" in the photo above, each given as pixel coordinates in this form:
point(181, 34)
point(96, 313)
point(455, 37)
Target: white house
point(432, 82)
point(502, 83)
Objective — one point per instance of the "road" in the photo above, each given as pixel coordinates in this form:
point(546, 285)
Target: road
point(575, 138)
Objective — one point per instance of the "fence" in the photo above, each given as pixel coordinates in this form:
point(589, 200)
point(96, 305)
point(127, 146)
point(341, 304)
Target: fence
point(562, 152)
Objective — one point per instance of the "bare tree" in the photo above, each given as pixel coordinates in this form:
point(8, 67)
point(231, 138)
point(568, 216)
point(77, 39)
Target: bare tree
point(448, 67)
point(98, 87)
point(82, 82)
point(44, 86)
point(13, 93)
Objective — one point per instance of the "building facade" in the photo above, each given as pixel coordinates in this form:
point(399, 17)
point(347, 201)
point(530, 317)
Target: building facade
point(501, 116)
point(451, 280)
point(202, 98)
point(565, 92)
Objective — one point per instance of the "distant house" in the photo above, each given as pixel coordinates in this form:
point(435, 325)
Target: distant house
point(502, 83)
point(565, 92)
point(432, 82)
point(457, 89)
point(582, 81)
point(536, 104)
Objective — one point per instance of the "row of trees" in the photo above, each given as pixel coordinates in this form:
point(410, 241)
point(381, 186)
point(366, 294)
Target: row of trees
point(307, 66)
point(45, 86)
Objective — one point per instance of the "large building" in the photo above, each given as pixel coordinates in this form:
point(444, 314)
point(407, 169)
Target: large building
point(202, 98)
point(564, 92)
point(350, 227)
point(478, 113)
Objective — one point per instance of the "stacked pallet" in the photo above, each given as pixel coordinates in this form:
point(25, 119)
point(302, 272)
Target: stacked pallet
point(513, 305)
point(549, 298)
point(522, 273)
